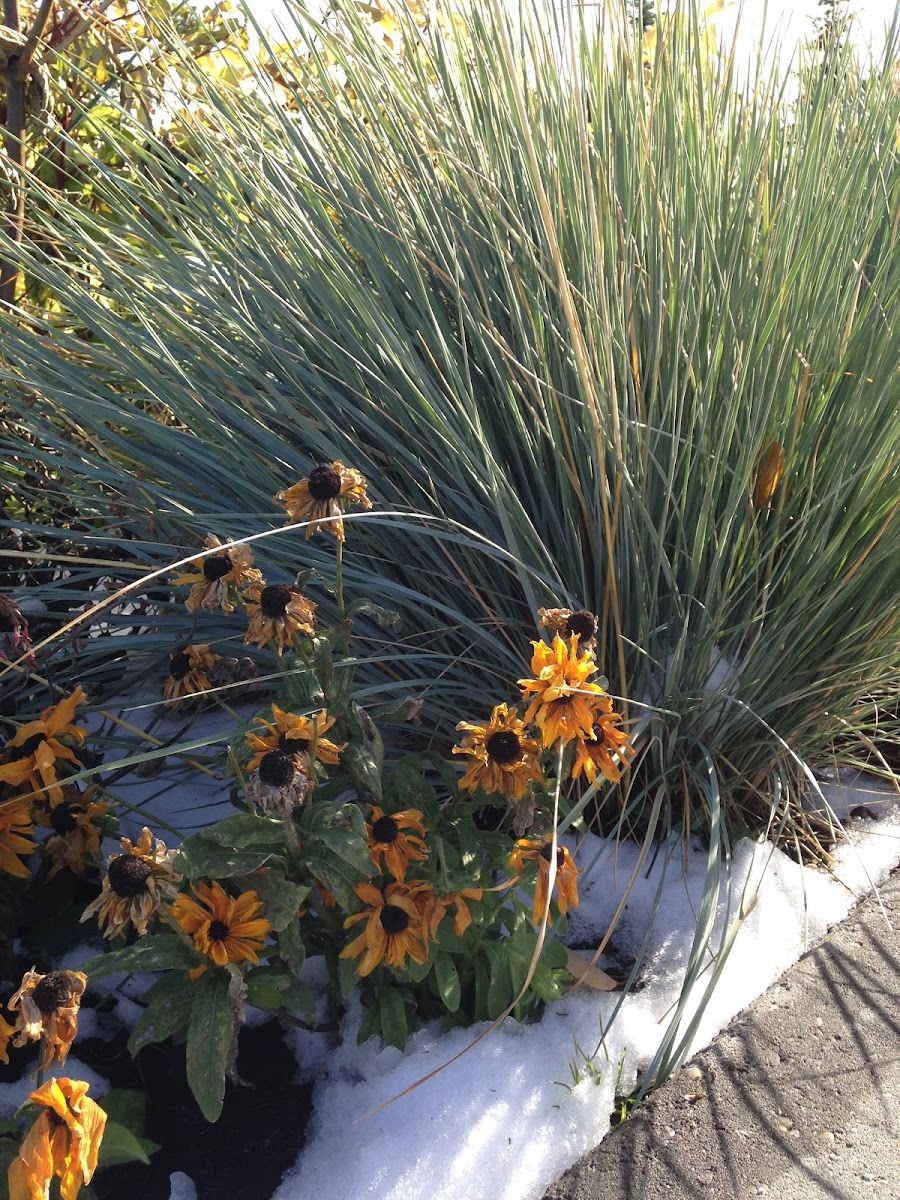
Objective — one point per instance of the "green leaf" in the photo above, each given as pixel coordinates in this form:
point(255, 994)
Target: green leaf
point(349, 847)
point(418, 971)
point(363, 771)
point(199, 857)
point(392, 1010)
point(500, 991)
point(447, 979)
point(244, 831)
point(167, 1014)
point(211, 1029)
point(410, 788)
point(370, 1024)
point(120, 1145)
point(261, 993)
point(127, 1107)
point(291, 947)
point(348, 979)
point(281, 899)
point(156, 952)
point(276, 987)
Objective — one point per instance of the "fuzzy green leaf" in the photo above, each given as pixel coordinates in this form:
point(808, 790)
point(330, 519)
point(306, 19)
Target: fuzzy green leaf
point(210, 1033)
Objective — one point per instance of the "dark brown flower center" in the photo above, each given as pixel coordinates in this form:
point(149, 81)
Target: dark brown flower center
point(217, 566)
point(393, 919)
point(292, 745)
point(27, 748)
point(560, 855)
point(53, 992)
point(385, 829)
point(276, 769)
point(274, 599)
point(584, 623)
point(62, 820)
point(324, 482)
point(218, 931)
point(128, 875)
point(179, 664)
point(503, 747)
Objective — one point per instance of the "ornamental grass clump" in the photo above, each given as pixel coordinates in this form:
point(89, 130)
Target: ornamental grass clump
point(618, 331)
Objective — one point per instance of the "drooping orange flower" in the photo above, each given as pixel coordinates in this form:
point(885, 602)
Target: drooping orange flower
point(394, 927)
point(435, 908)
point(15, 828)
point(388, 841)
point(609, 740)
point(566, 882)
point(327, 492)
point(48, 1009)
point(64, 1141)
point(31, 756)
point(224, 928)
point(135, 882)
point(560, 696)
point(217, 577)
point(6, 1032)
point(76, 835)
point(294, 735)
point(503, 756)
point(278, 612)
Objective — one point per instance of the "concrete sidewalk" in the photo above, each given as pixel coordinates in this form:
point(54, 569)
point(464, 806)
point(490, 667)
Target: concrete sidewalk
point(799, 1098)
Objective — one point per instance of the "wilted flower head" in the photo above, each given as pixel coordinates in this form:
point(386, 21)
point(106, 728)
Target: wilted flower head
point(769, 470)
point(566, 881)
point(47, 1007)
point(560, 696)
point(280, 783)
point(189, 673)
point(389, 839)
point(327, 492)
point(15, 830)
point(278, 612)
point(394, 927)
point(76, 834)
point(14, 639)
point(503, 756)
point(566, 623)
point(217, 576)
point(135, 882)
point(63, 1142)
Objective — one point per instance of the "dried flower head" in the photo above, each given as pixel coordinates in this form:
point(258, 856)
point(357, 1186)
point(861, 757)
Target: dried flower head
point(135, 882)
point(294, 735)
point(64, 1142)
point(48, 1009)
point(32, 755)
point(327, 492)
point(609, 744)
point(218, 577)
point(76, 836)
point(189, 674)
point(278, 612)
point(769, 470)
point(581, 623)
point(280, 782)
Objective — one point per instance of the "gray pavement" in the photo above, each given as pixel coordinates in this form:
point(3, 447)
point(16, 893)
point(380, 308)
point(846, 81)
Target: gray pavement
point(798, 1099)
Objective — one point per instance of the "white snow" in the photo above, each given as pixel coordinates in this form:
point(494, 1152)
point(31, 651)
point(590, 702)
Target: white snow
point(507, 1118)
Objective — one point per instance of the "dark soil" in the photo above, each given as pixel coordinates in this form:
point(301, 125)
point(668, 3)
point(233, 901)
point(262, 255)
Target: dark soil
point(244, 1155)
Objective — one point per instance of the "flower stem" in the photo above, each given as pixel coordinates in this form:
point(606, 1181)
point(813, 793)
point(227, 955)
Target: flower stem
point(339, 580)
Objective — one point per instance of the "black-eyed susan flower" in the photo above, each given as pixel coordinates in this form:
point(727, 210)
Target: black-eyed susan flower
point(608, 740)
point(581, 623)
point(189, 673)
point(64, 1142)
point(294, 735)
point(503, 756)
point(135, 882)
point(566, 882)
point(217, 578)
point(224, 928)
point(31, 756)
point(278, 612)
point(393, 929)
point(327, 492)
point(390, 842)
point(76, 836)
point(280, 782)
point(561, 699)
point(435, 908)
point(15, 830)
point(47, 1007)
